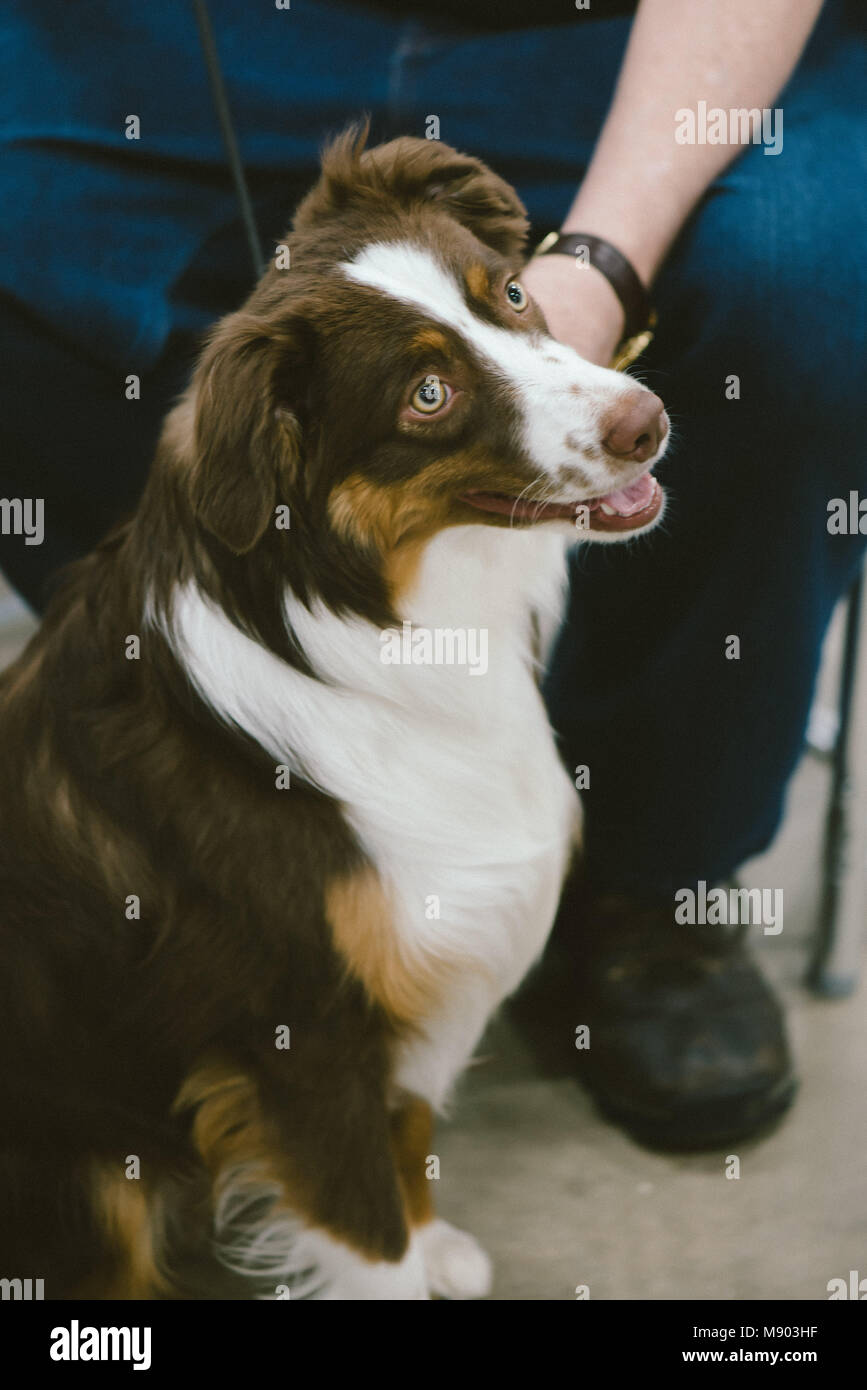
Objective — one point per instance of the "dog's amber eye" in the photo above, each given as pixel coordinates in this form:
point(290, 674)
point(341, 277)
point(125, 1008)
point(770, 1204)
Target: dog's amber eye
point(430, 396)
point(517, 295)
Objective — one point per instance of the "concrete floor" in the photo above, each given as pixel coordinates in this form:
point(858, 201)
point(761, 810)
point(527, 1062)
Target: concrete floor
point(560, 1198)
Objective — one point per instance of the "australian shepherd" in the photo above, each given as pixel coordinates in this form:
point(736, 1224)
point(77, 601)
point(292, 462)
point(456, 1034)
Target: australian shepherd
point(273, 846)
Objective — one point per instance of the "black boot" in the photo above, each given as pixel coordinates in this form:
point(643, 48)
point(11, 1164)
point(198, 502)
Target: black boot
point(687, 1044)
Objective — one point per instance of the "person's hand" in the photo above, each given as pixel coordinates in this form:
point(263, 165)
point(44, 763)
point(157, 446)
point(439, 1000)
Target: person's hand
point(581, 307)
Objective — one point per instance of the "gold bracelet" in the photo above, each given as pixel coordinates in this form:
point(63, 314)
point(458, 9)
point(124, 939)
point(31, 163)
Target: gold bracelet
point(632, 348)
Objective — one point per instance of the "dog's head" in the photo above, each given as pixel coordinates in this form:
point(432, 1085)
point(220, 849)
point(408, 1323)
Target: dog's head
point(396, 378)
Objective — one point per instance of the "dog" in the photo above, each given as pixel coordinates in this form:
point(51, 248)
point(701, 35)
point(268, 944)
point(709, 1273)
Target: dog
point(261, 888)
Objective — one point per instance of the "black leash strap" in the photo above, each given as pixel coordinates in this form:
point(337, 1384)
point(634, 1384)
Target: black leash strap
point(230, 141)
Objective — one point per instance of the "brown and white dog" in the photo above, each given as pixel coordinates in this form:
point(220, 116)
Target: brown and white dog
point(261, 889)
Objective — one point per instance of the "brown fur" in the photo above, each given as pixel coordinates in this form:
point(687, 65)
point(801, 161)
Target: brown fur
point(399, 519)
point(131, 1215)
point(258, 908)
point(391, 516)
point(412, 1135)
point(241, 1140)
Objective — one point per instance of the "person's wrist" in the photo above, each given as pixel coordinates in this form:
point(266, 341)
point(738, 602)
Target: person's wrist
point(643, 238)
point(587, 249)
point(579, 304)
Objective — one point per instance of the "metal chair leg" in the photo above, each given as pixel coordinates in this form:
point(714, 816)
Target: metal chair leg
point(835, 965)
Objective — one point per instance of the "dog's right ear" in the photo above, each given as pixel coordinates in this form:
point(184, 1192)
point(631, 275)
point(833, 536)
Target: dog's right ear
point(246, 446)
point(461, 185)
point(409, 171)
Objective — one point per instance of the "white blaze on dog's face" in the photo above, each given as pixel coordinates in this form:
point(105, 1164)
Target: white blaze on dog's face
point(581, 438)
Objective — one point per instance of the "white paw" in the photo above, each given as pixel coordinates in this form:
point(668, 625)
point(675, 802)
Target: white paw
point(455, 1264)
point(356, 1279)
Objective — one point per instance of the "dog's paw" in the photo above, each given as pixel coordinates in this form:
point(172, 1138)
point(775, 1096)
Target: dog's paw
point(351, 1278)
point(455, 1264)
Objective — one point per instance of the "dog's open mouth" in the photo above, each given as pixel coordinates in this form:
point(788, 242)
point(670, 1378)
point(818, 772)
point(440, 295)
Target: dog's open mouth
point(626, 509)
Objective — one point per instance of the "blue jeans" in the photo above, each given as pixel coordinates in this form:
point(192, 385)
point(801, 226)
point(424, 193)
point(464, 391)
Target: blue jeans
point(689, 751)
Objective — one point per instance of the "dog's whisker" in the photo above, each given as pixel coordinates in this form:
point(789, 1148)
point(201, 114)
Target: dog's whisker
point(522, 494)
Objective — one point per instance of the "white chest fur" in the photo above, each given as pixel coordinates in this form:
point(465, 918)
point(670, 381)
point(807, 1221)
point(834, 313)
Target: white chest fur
point(449, 778)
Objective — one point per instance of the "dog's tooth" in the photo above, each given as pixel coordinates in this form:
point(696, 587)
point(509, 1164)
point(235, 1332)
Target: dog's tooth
point(609, 511)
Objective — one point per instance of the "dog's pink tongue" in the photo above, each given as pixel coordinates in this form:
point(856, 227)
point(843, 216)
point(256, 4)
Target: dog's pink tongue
point(626, 501)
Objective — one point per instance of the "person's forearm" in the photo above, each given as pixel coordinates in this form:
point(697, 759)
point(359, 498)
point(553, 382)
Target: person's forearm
point(641, 184)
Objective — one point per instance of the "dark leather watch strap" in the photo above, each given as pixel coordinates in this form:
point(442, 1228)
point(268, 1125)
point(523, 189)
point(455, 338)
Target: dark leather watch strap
point(618, 271)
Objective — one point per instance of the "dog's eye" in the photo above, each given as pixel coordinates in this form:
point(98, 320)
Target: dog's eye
point(517, 295)
point(430, 396)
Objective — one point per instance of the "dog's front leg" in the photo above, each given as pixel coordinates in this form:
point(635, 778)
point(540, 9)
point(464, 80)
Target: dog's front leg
point(307, 1197)
point(456, 1266)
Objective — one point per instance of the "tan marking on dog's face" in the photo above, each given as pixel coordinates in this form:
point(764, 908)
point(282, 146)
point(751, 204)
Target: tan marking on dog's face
point(430, 340)
point(398, 519)
point(412, 1137)
point(395, 520)
point(361, 921)
point(477, 280)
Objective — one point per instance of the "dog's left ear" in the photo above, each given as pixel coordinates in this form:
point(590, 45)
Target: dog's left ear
point(246, 437)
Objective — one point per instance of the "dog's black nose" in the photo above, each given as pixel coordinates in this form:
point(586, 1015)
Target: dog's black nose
point(637, 429)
